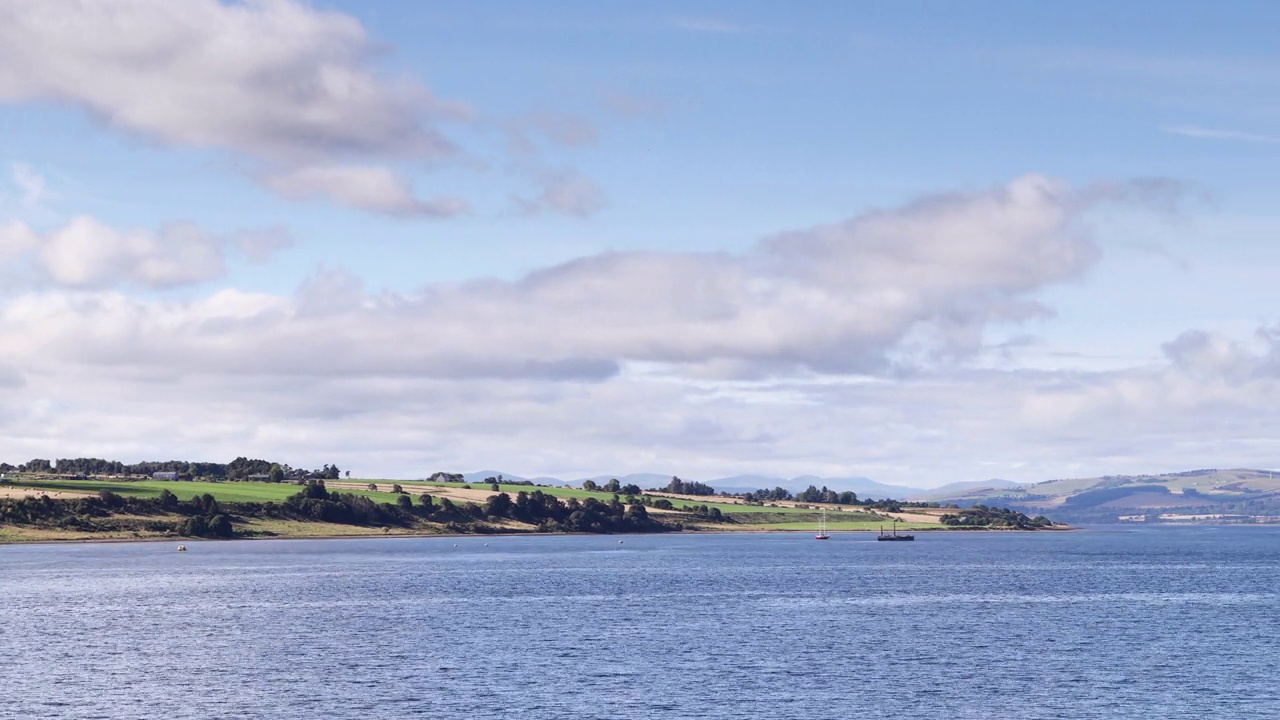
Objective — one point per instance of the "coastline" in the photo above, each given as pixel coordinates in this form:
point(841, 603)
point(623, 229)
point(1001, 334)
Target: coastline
point(182, 540)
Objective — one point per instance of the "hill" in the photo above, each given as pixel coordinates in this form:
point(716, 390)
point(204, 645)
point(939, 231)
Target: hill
point(1205, 495)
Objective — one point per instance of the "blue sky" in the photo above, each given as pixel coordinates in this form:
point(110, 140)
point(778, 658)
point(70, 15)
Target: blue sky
point(921, 242)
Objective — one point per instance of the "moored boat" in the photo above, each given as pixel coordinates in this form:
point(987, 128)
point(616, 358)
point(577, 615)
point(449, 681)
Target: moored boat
point(893, 535)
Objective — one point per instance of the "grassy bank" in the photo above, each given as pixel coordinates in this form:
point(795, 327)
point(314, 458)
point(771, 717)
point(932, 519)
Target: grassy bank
point(52, 508)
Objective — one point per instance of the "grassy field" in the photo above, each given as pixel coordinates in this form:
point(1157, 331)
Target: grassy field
point(744, 517)
point(566, 493)
point(231, 492)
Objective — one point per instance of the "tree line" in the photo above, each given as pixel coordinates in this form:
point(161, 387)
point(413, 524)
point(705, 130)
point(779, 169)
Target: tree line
point(204, 516)
point(981, 516)
point(239, 469)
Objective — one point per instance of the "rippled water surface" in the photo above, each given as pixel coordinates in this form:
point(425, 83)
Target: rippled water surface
point(1133, 623)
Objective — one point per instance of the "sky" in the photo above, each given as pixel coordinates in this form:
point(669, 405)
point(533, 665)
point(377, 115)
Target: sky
point(920, 242)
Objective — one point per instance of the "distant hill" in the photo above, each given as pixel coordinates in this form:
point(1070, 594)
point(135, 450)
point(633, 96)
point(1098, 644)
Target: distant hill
point(1238, 495)
point(864, 487)
point(644, 480)
point(959, 489)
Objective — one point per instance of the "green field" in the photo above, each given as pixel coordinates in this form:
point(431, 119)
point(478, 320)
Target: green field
point(581, 494)
point(744, 517)
point(245, 491)
point(231, 492)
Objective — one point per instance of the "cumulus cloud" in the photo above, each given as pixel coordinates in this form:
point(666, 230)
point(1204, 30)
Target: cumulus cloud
point(914, 286)
point(17, 239)
point(373, 188)
point(688, 362)
point(273, 80)
point(88, 254)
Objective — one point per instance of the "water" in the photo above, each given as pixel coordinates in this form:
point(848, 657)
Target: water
point(1134, 623)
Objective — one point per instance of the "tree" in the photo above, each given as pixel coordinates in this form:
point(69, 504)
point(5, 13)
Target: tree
point(499, 506)
point(631, 489)
point(167, 500)
point(395, 488)
point(612, 486)
point(276, 473)
point(590, 485)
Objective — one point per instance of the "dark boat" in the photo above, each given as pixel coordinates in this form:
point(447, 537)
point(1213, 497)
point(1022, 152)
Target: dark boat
point(894, 535)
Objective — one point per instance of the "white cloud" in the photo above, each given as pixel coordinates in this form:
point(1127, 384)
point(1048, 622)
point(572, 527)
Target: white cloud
point(17, 239)
point(87, 254)
point(31, 184)
point(784, 359)
point(373, 188)
point(912, 286)
point(1211, 134)
point(273, 80)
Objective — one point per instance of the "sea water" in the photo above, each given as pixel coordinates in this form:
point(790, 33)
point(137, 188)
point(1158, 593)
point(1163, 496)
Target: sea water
point(1097, 623)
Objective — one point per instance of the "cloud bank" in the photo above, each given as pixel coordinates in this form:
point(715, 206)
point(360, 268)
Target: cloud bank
point(910, 286)
point(842, 348)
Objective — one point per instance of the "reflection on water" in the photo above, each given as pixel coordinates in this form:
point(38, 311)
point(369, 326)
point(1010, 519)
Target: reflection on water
point(1161, 623)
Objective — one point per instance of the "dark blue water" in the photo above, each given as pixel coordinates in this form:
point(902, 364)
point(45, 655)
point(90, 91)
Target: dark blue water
point(1146, 623)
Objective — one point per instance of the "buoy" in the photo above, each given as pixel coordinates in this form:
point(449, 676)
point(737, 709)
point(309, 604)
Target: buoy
point(182, 548)
point(619, 542)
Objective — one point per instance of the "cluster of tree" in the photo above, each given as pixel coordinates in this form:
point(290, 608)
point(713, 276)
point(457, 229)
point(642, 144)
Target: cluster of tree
point(981, 516)
point(613, 486)
point(764, 495)
point(237, 469)
point(552, 514)
point(812, 494)
point(202, 515)
point(687, 487)
point(702, 512)
point(548, 512)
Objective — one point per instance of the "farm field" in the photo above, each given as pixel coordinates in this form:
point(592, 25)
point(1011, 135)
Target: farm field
point(232, 492)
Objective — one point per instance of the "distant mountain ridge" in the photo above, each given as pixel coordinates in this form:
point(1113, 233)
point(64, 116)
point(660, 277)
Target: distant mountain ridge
point(864, 487)
point(1203, 495)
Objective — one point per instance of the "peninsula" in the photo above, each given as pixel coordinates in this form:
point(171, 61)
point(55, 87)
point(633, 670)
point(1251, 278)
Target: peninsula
point(235, 501)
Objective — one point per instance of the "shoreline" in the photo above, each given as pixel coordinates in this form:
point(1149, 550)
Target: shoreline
point(419, 536)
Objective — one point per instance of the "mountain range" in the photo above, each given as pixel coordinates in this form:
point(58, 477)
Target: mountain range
point(1204, 495)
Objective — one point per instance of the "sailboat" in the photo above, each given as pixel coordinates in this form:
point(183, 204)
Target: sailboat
point(822, 527)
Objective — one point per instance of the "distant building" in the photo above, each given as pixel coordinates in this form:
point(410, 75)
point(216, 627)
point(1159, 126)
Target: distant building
point(258, 477)
point(169, 475)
